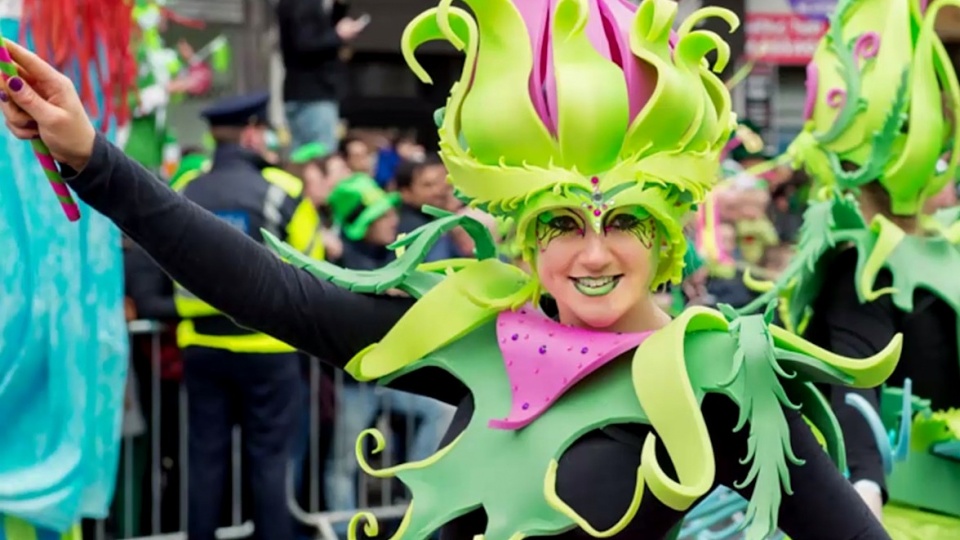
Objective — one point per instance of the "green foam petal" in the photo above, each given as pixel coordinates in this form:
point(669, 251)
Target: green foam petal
point(707, 12)
point(673, 119)
point(889, 237)
point(690, 54)
point(652, 25)
point(593, 107)
point(406, 342)
point(948, 77)
point(664, 389)
point(433, 25)
point(907, 176)
point(668, 114)
point(498, 119)
point(862, 372)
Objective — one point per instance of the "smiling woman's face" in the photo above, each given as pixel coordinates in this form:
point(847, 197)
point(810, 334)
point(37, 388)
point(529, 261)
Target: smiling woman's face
point(597, 278)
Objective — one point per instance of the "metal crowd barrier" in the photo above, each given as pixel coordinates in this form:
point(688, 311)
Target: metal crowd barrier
point(133, 519)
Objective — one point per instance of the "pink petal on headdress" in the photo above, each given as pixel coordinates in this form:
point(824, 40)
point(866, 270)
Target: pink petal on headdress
point(536, 16)
point(640, 77)
point(549, 77)
point(813, 85)
point(596, 31)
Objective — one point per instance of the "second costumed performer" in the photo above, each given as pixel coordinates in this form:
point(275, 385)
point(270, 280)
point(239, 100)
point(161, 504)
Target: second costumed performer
point(583, 409)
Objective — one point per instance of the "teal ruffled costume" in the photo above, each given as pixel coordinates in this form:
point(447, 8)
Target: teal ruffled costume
point(63, 353)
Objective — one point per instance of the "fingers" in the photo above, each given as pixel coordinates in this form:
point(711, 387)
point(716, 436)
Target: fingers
point(23, 133)
point(14, 114)
point(40, 71)
point(31, 103)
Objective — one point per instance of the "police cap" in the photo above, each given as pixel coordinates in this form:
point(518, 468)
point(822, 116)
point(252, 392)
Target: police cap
point(238, 111)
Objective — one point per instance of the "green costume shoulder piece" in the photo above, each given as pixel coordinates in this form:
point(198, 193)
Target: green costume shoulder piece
point(512, 473)
point(837, 223)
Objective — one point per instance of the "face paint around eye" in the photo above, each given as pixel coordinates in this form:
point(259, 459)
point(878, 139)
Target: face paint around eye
point(551, 225)
point(646, 232)
point(636, 221)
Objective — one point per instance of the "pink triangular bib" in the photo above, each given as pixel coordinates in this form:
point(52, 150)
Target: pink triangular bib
point(544, 359)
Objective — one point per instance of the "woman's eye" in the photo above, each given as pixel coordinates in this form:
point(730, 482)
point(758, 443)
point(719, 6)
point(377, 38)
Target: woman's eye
point(624, 222)
point(564, 223)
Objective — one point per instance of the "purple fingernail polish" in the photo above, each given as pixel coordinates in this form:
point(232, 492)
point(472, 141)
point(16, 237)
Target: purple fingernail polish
point(32, 124)
point(15, 84)
point(4, 97)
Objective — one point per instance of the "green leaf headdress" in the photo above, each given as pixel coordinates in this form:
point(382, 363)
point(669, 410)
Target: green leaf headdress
point(585, 103)
point(875, 92)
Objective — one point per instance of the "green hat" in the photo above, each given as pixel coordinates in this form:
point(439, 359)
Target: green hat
point(309, 152)
point(749, 144)
point(357, 202)
point(190, 163)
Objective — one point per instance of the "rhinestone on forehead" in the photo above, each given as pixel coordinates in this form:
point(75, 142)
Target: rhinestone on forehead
point(596, 204)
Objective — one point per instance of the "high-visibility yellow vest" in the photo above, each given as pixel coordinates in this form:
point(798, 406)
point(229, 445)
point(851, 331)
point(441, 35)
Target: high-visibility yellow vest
point(302, 232)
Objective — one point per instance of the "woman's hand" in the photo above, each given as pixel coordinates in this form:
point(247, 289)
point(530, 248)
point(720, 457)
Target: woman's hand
point(870, 493)
point(43, 103)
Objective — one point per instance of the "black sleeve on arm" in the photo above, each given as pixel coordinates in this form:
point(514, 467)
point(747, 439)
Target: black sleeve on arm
point(843, 325)
point(227, 269)
point(148, 286)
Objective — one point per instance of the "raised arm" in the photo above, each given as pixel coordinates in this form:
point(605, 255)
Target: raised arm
point(148, 286)
point(218, 264)
point(227, 269)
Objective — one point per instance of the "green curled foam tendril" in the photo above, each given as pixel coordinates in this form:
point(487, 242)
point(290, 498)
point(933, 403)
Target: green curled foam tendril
point(431, 26)
point(849, 71)
point(881, 149)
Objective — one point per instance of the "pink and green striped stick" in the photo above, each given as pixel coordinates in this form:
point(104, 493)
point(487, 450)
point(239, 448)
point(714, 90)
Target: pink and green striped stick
point(8, 70)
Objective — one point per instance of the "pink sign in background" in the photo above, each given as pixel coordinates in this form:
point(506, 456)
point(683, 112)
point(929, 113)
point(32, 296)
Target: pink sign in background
point(784, 38)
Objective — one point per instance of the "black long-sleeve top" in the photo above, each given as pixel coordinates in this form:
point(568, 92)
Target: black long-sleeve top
point(149, 288)
point(596, 476)
point(843, 325)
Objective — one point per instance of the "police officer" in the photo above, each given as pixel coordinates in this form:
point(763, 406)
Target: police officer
point(234, 375)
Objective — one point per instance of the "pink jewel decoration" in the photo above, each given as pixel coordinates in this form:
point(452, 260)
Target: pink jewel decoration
point(597, 204)
point(540, 378)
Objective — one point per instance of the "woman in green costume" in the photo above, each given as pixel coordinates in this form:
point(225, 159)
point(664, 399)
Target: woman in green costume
point(882, 98)
point(597, 130)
